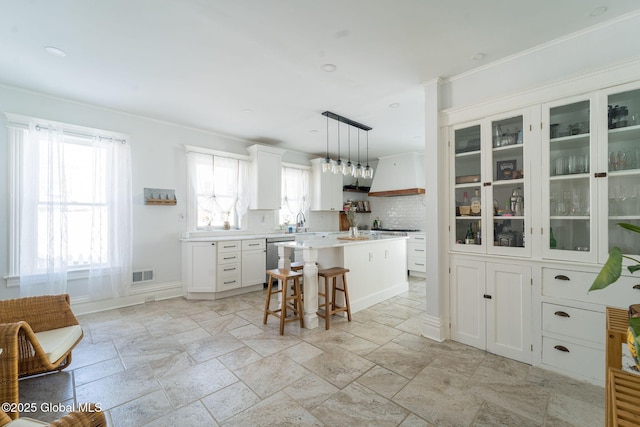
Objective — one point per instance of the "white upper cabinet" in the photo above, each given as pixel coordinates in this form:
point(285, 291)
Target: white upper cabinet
point(326, 188)
point(592, 169)
point(490, 180)
point(266, 175)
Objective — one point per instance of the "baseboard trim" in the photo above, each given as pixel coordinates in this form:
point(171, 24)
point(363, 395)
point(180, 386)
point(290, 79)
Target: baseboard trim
point(435, 328)
point(378, 297)
point(137, 295)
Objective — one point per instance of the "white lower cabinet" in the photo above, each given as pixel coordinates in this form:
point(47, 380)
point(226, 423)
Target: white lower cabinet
point(199, 266)
point(417, 254)
point(574, 322)
point(254, 261)
point(491, 307)
point(229, 270)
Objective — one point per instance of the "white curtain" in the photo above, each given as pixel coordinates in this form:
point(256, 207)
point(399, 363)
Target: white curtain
point(220, 186)
point(295, 192)
point(75, 213)
point(43, 218)
point(111, 259)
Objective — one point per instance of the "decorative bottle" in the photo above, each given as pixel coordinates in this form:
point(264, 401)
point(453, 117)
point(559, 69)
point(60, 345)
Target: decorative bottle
point(552, 240)
point(469, 238)
point(479, 233)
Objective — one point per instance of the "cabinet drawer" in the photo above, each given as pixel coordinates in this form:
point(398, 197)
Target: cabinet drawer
point(254, 244)
point(228, 257)
point(228, 283)
point(574, 322)
point(574, 285)
point(416, 264)
point(417, 238)
point(416, 250)
point(580, 360)
point(229, 270)
point(229, 246)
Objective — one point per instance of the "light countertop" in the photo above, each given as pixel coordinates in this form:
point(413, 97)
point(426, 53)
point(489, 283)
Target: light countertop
point(332, 241)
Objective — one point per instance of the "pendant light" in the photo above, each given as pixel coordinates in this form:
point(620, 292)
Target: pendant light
point(368, 170)
point(326, 165)
point(358, 172)
point(338, 167)
point(348, 169)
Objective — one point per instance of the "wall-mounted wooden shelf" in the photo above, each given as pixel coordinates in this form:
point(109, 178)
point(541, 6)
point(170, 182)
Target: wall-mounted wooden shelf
point(160, 202)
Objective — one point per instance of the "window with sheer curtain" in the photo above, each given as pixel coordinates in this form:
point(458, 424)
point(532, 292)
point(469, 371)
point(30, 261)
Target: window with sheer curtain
point(295, 194)
point(70, 208)
point(219, 190)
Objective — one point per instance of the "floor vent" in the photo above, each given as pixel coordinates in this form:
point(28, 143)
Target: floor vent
point(142, 276)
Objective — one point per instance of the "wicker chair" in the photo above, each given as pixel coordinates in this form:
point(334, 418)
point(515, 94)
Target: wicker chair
point(89, 418)
point(37, 335)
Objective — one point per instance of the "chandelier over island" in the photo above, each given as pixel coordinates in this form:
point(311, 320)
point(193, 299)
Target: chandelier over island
point(337, 166)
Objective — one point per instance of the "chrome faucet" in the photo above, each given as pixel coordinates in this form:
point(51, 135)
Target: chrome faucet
point(300, 221)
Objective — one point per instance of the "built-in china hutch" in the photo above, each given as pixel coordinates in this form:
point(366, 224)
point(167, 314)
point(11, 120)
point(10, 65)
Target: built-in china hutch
point(536, 188)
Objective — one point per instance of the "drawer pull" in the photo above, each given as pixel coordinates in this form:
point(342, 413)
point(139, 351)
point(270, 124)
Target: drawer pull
point(561, 348)
point(230, 257)
point(636, 286)
point(230, 246)
point(562, 277)
point(561, 314)
point(487, 296)
point(233, 281)
point(419, 263)
point(229, 269)
point(418, 250)
point(254, 244)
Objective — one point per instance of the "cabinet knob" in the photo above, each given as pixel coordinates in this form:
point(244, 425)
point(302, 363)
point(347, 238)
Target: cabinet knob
point(487, 296)
point(561, 348)
point(562, 277)
point(561, 314)
point(213, 244)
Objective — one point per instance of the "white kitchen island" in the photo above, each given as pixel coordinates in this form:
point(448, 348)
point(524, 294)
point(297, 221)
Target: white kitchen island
point(378, 268)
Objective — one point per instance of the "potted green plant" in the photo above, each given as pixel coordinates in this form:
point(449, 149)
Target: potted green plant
point(610, 273)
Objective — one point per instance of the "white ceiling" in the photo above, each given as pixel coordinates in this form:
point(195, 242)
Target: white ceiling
point(202, 63)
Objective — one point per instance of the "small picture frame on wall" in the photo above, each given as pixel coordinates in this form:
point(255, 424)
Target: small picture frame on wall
point(505, 169)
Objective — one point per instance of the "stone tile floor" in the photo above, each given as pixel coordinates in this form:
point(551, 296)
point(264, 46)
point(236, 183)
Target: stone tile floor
point(209, 363)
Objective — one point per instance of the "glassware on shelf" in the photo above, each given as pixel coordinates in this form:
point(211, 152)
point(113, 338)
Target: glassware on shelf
point(552, 240)
point(469, 239)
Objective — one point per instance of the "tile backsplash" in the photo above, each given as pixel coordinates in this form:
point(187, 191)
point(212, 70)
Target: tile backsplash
point(399, 212)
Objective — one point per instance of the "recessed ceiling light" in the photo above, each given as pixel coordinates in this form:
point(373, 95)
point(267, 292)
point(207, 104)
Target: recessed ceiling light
point(598, 11)
point(55, 51)
point(329, 68)
point(478, 56)
point(247, 110)
point(394, 105)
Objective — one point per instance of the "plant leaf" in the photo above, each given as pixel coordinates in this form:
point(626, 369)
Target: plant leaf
point(628, 226)
point(633, 268)
point(610, 271)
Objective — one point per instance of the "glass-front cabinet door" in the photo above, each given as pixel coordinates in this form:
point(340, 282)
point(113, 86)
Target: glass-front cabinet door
point(467, 202)
point(569, 195)
point(507, 189)
point(622, 154)
point(490, 191)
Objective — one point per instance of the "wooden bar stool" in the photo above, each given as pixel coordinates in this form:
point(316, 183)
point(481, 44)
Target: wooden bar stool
point(295, 297)
point(329, 305)
point(297, 265)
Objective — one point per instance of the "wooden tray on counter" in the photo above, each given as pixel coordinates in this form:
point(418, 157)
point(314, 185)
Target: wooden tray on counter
point(352, 238)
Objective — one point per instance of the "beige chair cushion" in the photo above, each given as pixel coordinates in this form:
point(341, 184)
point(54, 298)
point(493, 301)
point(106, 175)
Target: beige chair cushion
point(26, 422)
point(57, 342)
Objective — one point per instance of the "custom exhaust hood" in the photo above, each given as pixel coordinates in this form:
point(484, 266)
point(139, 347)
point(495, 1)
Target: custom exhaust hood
point(399, 175)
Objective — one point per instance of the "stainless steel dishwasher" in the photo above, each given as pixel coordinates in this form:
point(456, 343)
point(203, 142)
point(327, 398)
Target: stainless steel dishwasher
point(272, 252)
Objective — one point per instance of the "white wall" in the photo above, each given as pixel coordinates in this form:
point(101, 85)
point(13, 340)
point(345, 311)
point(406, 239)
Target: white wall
point(158, 161)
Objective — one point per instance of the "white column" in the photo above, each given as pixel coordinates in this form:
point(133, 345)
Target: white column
point(310, 271)
point(436, 323)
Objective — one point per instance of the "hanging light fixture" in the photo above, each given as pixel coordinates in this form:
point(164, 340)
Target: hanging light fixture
point(368, 170)
point(327, 164)
point(348, 169)
point(337, 166)
point(358, 172)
